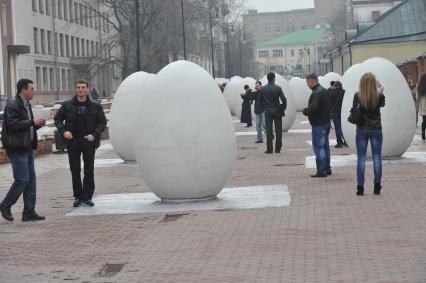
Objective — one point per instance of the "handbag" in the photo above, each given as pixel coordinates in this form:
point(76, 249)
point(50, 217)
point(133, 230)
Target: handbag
point(355, 116)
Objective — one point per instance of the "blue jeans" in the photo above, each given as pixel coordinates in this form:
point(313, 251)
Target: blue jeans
point(260, 122)
point(25, 182)
point(321, 148)
point(376, 139)
point(337, 121)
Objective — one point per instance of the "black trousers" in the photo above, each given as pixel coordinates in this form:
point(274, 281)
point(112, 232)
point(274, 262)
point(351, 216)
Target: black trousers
point(276, 118)
point(76, 148)
point(423, 127)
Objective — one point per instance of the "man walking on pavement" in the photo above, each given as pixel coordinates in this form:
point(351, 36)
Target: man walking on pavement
point(259, 110)
point(19, 138)
point(274, 112)
point(81, 121)
point(318, 112)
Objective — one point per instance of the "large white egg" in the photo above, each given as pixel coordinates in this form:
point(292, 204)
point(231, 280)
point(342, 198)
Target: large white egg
point(290, 113)
point(186, 140)
point(328, 78)
point(236, 100)
point(229, 91)
point(124, 113)
point(398, 115)
point(301, 92)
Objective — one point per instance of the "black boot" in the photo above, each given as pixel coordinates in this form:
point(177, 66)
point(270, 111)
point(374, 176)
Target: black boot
point(359, 190)
point(377, 188)
point(339, 144)
point(423, 131)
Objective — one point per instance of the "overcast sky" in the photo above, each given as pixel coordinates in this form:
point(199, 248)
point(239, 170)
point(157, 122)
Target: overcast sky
point(279, 5)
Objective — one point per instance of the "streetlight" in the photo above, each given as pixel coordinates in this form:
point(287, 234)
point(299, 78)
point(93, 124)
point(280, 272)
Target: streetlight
point(211, 42)
point(183, 30)
point(138, 48)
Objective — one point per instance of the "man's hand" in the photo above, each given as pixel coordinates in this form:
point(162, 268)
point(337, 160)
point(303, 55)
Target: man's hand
point(68, 135)
point(90, 138)
point(305, 111)
point(39, 122)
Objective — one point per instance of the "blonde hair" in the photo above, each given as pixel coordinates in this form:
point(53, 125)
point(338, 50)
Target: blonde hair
point(368, 95)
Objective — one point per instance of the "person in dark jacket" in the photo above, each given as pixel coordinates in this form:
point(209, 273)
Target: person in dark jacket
point(259, 110)
point(246, 107)
point(337, 94)
point(274, 112)
point(19, 138)
point(81, 121)
point(369, 99)
point(318, 112)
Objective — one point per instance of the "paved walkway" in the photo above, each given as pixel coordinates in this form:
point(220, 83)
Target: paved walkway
point(327, 234)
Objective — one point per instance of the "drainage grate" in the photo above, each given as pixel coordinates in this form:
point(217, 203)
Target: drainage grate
point(173, 217)
point(288, 164)
point(247, 148)
point(109, 270)
point(241, 158)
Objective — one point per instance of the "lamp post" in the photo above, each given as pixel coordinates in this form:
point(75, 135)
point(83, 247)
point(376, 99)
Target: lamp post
point(211, 42)
point(183, 30)
point(138, 47)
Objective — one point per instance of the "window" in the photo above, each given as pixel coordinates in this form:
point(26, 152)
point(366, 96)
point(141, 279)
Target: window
point(263, 53)
point(308, 51)
point(38, 78)
point(60, 8)
point(66, 10)
point(375, 15)
point(292, 52)
point(82, 48)
point(304, 27)
point(97, 49)
point(76, 14)
point(40, 6)
point(277, 53)
point(61, 45)
point(64, 80)
point(67, 45)
point(49, 42)
point(34, 5)
point(72, 46)
point(93, 48)
point(300, 52)
point(71, 10)
point(55, 43)
point(70, 85)
point(36, 50)
point(91, 14)
point(81, 14)
point(88, 48)
point(86, 16)
point(54, 8)
point(47, 7)
point(45, 80)
point(96, 19)
point(77, 44)
point(267, 29)
point(276, 29)
point(52, 78)
point(43, 41)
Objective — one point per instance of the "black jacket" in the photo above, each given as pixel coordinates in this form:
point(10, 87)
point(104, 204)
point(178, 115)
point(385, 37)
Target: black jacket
point(66, 118)
point(16, 128)
point(336, 96)
point(319, 107)
point(258, 107)
point(270, 98)
point(371, 117)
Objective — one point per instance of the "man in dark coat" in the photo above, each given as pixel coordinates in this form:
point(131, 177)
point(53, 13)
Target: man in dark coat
point(84, 123)
point(19, 138)
point(259, 111)
point(318, 112)
point(337, 93)
point(274, 112)
point(246, 107)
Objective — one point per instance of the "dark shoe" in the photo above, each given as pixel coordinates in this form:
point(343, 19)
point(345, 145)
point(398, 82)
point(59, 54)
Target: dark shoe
point(6, 213)
point(258, 142)
point(248, 126)
point(377, 188)
point(88, 202)
point(423, 136)
point(318, 176)
point(329, 173)
point(339, 145)
point(77, 202)
point(32, 217)
point(277, 151)
point(268, 151)
point(359, 190)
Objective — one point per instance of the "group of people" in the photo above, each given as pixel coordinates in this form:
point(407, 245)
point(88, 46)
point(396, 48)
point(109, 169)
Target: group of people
point(80, 121)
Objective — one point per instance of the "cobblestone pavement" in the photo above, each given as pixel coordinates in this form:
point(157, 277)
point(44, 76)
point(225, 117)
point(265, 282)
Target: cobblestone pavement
point(327, 234)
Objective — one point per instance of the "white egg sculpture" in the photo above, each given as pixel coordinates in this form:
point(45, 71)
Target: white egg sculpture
point(398, 116)
point(40, 112)
point(301, 92)
point(124, 113)
point(186, 140)
point(328, 78)
point(290, 113)
point(229, 91)
point(236, 100)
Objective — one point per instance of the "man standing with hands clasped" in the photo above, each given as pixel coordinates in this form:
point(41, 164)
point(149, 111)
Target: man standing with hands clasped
point(81, 121)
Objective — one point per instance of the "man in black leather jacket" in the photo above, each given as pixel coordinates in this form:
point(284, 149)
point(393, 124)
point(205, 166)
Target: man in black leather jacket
point(274, 112)
point(84, 123)
point(19, 138)
point(318, 112)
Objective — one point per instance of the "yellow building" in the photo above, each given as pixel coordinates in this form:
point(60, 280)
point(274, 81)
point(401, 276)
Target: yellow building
point(296, 53)
point(398, 35)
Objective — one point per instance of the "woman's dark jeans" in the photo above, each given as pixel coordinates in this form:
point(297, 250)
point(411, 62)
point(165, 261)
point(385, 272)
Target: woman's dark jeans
point(376, 140)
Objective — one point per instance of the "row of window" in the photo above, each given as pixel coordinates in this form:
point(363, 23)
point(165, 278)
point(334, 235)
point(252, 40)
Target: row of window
point(66, 46)
point(277, 29)
point(279, 53)
point(69, 10)
point(49, 80)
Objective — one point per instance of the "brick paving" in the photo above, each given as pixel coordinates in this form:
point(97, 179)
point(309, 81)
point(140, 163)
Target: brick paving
point(327, 234)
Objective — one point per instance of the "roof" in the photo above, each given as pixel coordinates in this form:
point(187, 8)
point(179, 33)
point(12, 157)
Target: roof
point(405, 20)
point(308, 36)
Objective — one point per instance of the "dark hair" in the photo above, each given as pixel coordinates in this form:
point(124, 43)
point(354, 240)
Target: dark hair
point(270, 76)
point(259, 82)
point(23, 84)
point(332, 83)
point(246, 87)
point(312, 76)
point(82, 82)
point(421, 87)
point(338, 84)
